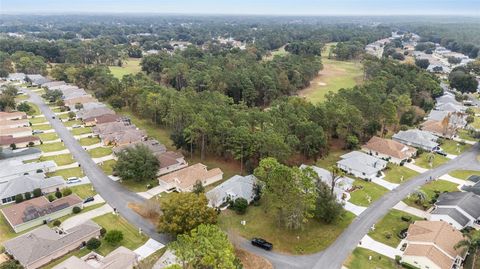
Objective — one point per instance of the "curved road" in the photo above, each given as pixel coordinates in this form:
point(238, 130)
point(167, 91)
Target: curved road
point(331, 258)
point(117, 196)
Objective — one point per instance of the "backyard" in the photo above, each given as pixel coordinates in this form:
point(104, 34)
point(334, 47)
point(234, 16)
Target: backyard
point(314, 237)
point(387, 229)
point(364, 191)
point(395, 173)
point(363, 258)
point(430, 189)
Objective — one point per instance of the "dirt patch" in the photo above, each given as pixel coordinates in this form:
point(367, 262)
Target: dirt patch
point(252, 261)
point(4, 258)
point(147, 210)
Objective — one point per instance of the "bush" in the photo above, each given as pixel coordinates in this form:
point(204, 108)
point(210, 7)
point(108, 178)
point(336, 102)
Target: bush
point(67, 191)
point(28, 196)
point(57, 223)
point(18, 198)
point(113, 237)
point(58, 194)
point(103, 231)
point(398, 258)
point(76, 210)
point(13, 146)
point(240, 205)
point(93, 243)
point(406, 218)
point(51, 198)
point(37, 192)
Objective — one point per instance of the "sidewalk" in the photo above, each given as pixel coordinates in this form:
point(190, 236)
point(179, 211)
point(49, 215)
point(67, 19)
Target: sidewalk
point(82, 217)
point(455, 180)
point(148, 248)
point(98, 145)
point(412, 210)
point(152, 192)
point(52, 141)
point(384, 183)
point(369, 243)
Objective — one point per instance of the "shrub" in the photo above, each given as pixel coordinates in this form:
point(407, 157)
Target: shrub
point(19, 198)
point(76, 210)
point(71, 114)
point(28, 196)
point(240, 205)
point(37, 192)
point(406, 218)
point(113, 237)
point(51, 198)
point(398, 258)
point(31, 144)
point(103, 231)
point(67, 191)
point(13, 146)
point(388, 235)
point(57, 223)
point(58, 194)
point(93, 243)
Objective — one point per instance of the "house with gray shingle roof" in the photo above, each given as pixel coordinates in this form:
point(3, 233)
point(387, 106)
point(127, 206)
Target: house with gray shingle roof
point(460, 209)
point(36, 79)
point(361, 165)
point(43, 245)
point(233, 188)
point(25, 183)
point(13, 170)
point(16, 77)
point(417, 138)
point(341, 186)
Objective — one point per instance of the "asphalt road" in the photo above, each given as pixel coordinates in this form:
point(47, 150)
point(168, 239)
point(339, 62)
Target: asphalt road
point(117, 196)
point(332, 258)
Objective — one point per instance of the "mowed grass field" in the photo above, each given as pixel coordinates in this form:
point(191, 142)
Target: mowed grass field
point(131, 66)
point(334, 76)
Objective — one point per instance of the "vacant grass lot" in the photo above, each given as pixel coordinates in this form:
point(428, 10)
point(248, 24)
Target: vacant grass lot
point(369, 189)
point(80, 131)
point(430, 189)
point(422, 160)
point(314, 237)
point(454, 147)
point(87, 141)
point(464, 174)
point(131, 238)
point(360, 259)
point(100, 152)
point(84, 191)
point(62, 159)
point(395, 173)
point(66, 173)
point(51, 147)
point(47, 136)
point(132, 66)
point(387, 229)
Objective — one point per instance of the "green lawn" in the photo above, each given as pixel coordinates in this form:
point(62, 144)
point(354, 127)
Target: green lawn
point(47, 136)
point(63, 116)
point(70, 123)
point(476, 123)
point(34, 111)
point(62, 159)
point(464, 174)
point(107, 166)
point(360, 259)
point(135, 186)
point(430, 189)
point(331, 159)
point(80, 131)
point(131, 238)
point(394, 173)
point(56, 110)
point(132, 66)
point(87, 141)
point(49, 147)
point(21, 97)
point(42, 127)
point(454, 147)
point(100, 152)
point(368, 189)
point(84, 190)
point(315, 236)
point(387, 229)
point(466, 135)
point(66, 173)
point(37, 119)
point(278, 52)
point(422, 160)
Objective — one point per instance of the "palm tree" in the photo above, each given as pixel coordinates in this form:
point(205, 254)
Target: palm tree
point(420, 196)
point(471, 242)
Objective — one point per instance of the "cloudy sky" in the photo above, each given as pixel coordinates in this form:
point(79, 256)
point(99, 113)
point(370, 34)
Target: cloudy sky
point(273, 7)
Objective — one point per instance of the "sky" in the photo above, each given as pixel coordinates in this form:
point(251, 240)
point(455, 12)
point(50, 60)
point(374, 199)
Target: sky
point(252, 7)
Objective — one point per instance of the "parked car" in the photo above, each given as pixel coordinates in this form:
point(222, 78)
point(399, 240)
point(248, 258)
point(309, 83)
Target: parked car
point(53, 117)
point(37, 132)
point(439, 152)
point(72, 180)
point(89, 199)
point(262, 243)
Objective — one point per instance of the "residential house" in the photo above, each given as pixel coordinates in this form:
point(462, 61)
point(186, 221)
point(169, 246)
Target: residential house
point(23, 184)
point(431, 244)
point(153, 145)
point(90, 106)
point(389, 150)
point(450, 107)
point(439, 128)
point(455, 119)
point(417, 138)
point(20, 142)
point(342, 184)
point(37, 211)
point(36, 79)
point(16, 132)
point(183, 180)
point(14, 123)
point(124, 137)
point(79, 100)
point(85, 114)
point(361, 165)
point(12, 115)
point(50, 84)
point(24, 154)
point(44, 244)
point(107, 118)
point(233, 188)
point(170, 161)
point(15, 170)
point(20, 77)
point(120, 258)
point(460, 209)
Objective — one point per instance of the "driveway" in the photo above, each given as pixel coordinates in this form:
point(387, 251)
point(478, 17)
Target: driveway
point(369, 243)
point(115, 195)
point(148, 248)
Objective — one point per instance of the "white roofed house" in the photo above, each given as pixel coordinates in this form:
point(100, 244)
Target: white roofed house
point(15, 170)
point(20, 77)
point(233, 188)
point(342, 185)
point(361, 165)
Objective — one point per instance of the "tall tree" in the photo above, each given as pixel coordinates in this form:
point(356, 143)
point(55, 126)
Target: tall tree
point(137, 163)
